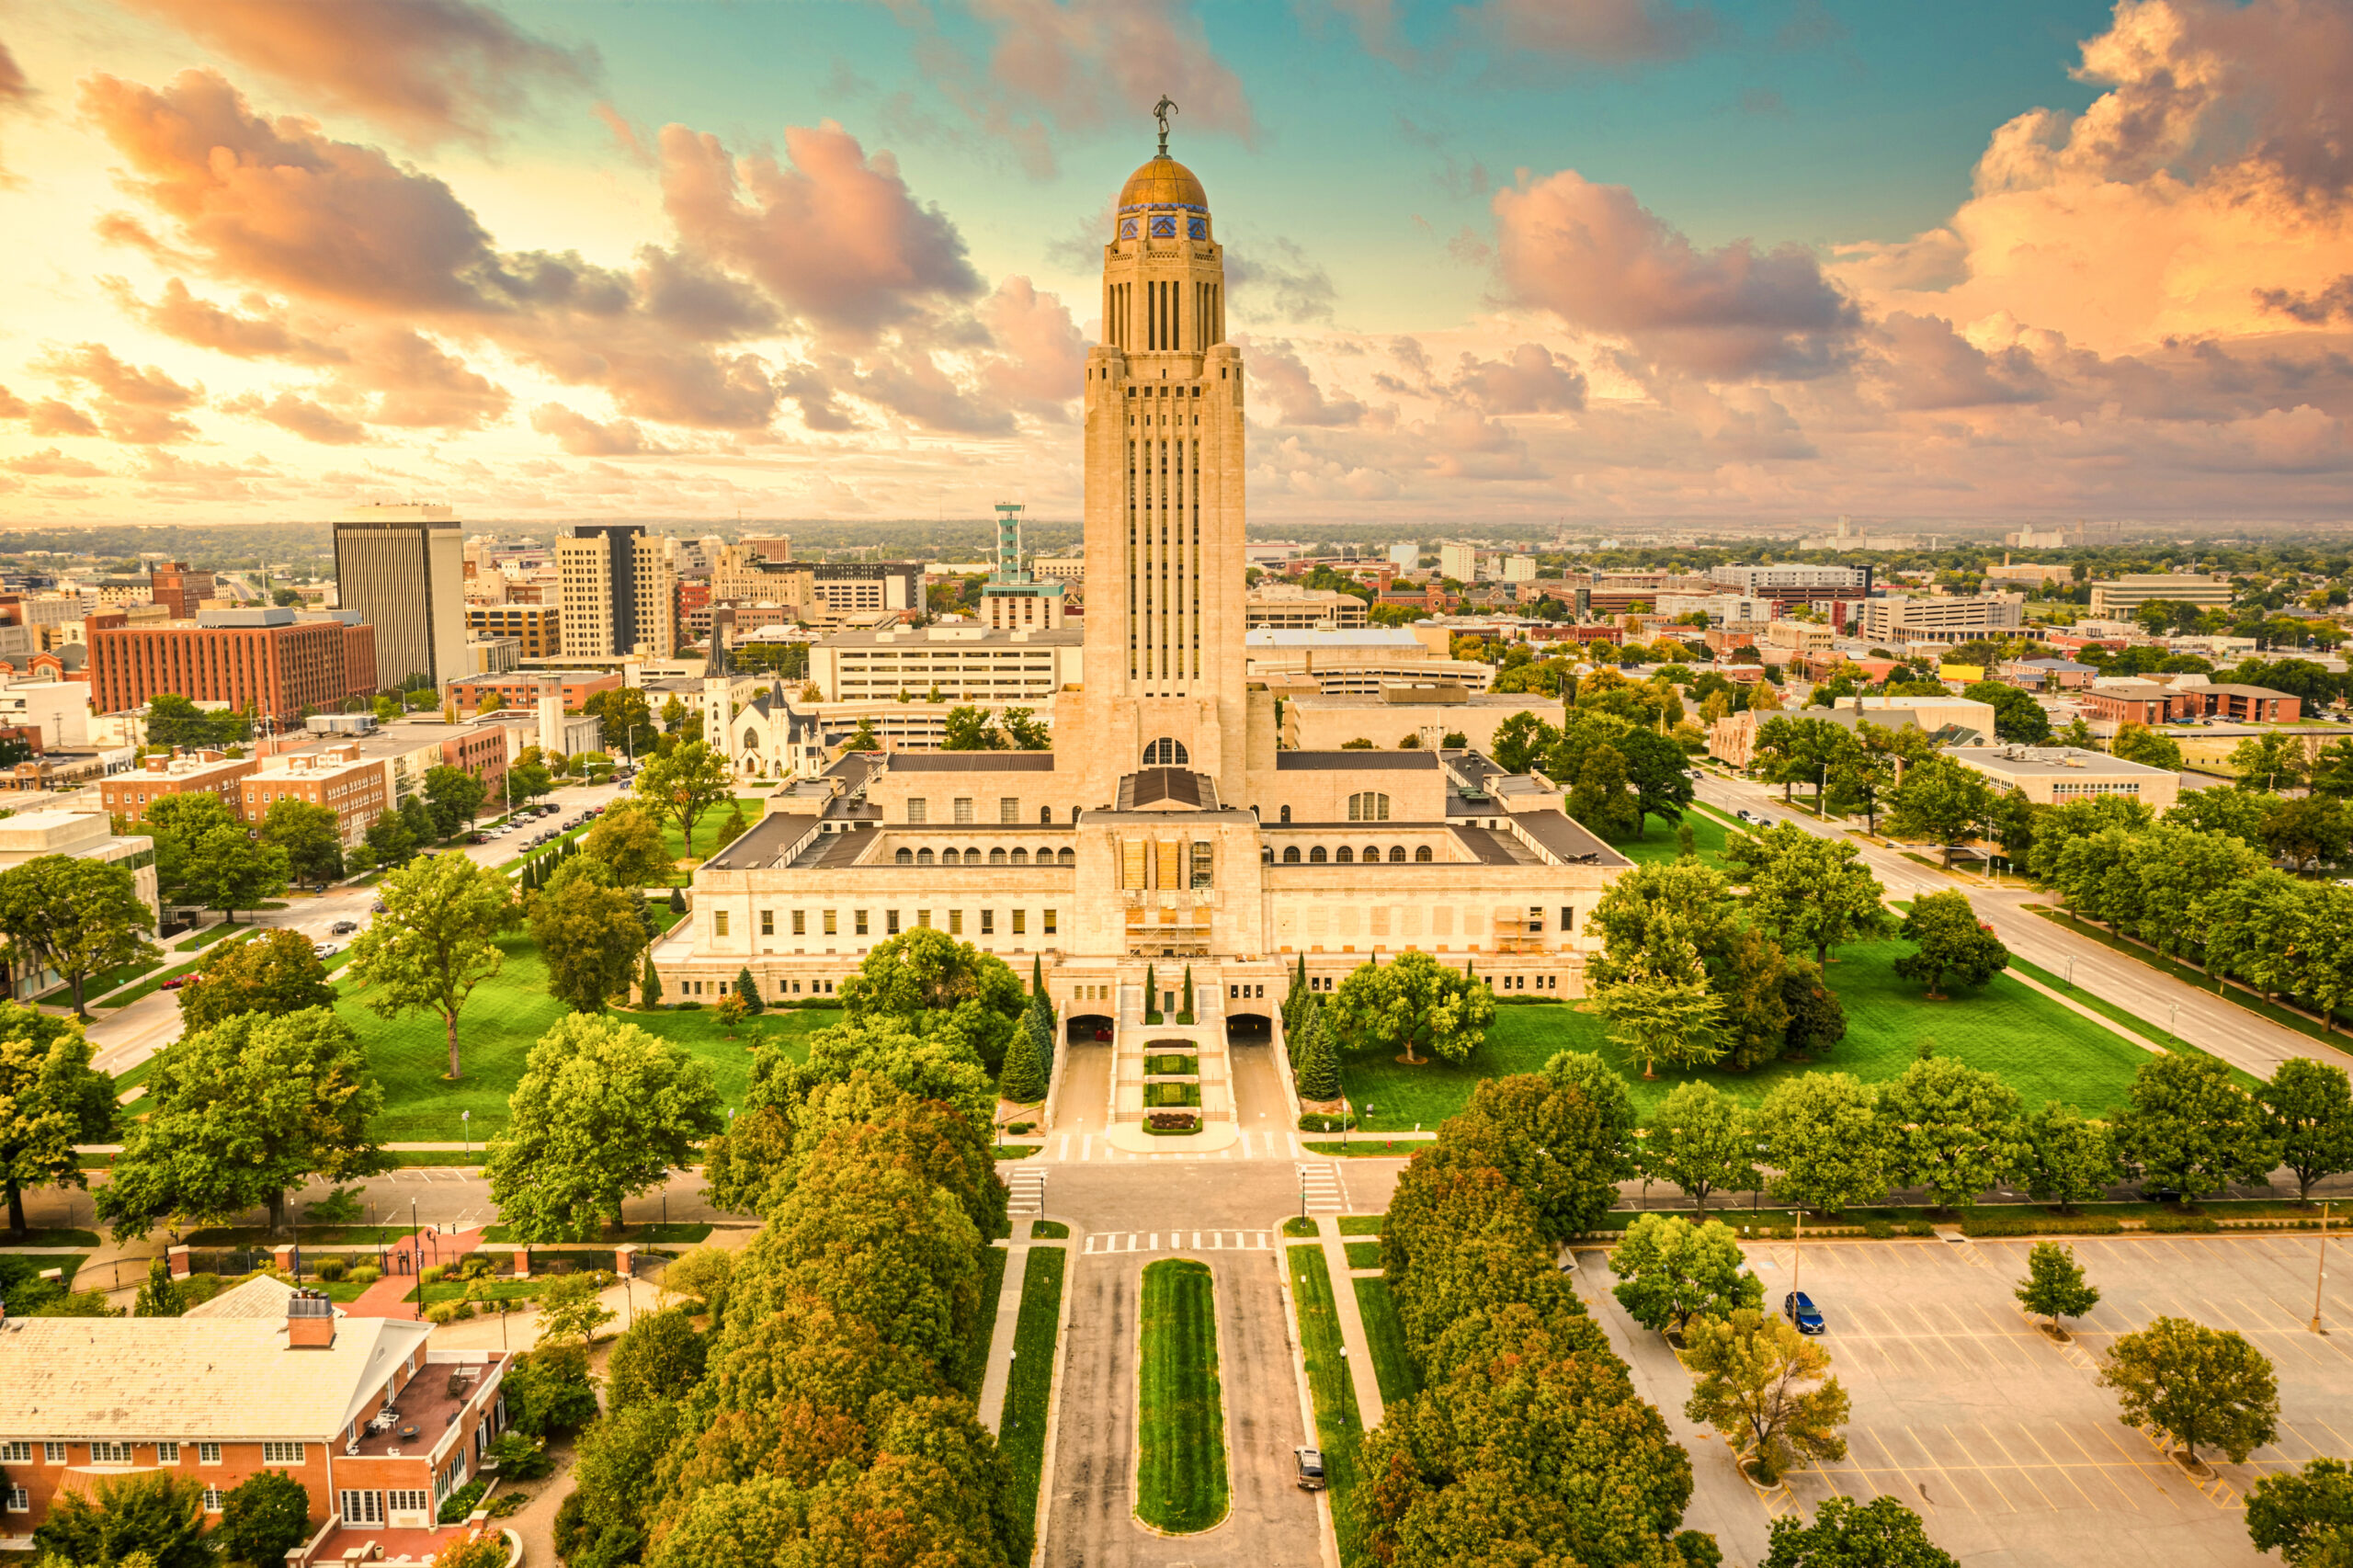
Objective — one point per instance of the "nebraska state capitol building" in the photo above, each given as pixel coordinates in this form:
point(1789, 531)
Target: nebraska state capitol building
point(1165, 826)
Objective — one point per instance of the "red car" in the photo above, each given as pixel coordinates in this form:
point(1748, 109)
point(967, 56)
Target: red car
point(179, 979)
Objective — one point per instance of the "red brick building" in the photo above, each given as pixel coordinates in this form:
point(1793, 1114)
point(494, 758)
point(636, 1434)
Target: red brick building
point(265, 660)
point(358, 790)
point(377, 1428)
point(182, 773)
point(2243, 704)
point(179, 588)
point(523, 690)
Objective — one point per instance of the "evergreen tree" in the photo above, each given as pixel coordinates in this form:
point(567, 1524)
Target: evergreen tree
point(1295, 1031)
point(1319, 1066)
point(1151, 996)
point(749, 990)
point(649, 986)
point(1184, 998)
point(677, 901)
point(1037, 975)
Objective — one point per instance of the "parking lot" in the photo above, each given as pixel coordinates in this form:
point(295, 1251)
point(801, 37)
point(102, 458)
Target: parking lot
point(2003, 1441)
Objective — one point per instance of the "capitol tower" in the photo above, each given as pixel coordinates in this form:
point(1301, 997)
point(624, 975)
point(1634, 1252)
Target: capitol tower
point(1164, 455)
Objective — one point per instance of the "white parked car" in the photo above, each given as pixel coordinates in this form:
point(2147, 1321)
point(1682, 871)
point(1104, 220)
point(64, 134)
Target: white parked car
point(325, 950)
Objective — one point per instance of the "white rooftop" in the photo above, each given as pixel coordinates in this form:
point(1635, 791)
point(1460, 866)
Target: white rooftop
point(1330, 637)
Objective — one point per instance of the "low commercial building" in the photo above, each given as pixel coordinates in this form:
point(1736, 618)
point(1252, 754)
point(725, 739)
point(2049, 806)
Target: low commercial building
point(2131, 701)
point(357, 790)
point(2047, 674)
point(1361, 660)
point(2241, 704)
point(539, 628)
point(1785, 642)
point(968, 663)
point(2119, 597)
point(183, 773)
point(1287, 605)
point(1431, 714)
point(2053, 776)
point(522, 691)
point(56, 710)
point(1939, 617)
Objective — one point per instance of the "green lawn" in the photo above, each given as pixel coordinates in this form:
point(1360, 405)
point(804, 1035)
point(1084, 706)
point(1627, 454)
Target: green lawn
point(1362, 1224)
point(1172, 1094)
point(975, 1364)
point(1171, 1067)
point(1658, 842)
point(36, 1237)
point(643, 1234)
point(1339, 1428)
point(1045, 1230)
point(2139, 1026)
point(207, 936)
point(1028, 1388)
point(506, 1015)
point(1364, 1255)
point(1391, 1364)
point(2039, 1047)
point(1180, 1471)
point(707, 828)
point(498, 1290)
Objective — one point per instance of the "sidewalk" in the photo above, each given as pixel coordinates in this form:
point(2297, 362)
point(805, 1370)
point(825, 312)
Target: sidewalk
point(1361, 1373)
point(385, 1297)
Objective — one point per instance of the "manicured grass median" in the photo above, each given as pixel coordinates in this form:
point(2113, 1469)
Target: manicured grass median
point(2040, 1048)
point(1362, 1224)
point(975, 1365)
point(1364, 1255)
point(1029, 1390)
point(500, 1023)
point(1180, 1468)
point(1339, 1428)
point(1391, 1367)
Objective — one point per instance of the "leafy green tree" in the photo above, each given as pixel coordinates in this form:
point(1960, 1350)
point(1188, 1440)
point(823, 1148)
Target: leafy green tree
point(2150, 748)
point(1701, 1140)
point(2308, 828)
point(588, 931)
point(1749, 1376)
point(454, 796)
point(1793, 750)
point(161, 1296)
point(1670, 1270)
point(2257, 927)
point(1601, 796)
point(389, 842)
point(1025, 731)
point(1824, 1133)
point(2056, 828)
point(2272, 761)
point(2188, 1384)
point(1810, 891)
point(2239, 813)
point(528, 778)
point(936, 985)
point(1882, 1533)
point(1662, 1010)
point(684, 784)
point(436, 940)
point(51, 1099)
point(156, 1516)
point(2305, 1516)
point(175, 721)
point(572, 1310)
point(1412, 1001)
point(2332, 771)
point(310, 837)
point(970, 728)
point(938, 1066)
point(1952, 1130)
point(242, 1114)
point(1521, 742)
point(604, 1112)
point(275, 972)
point(549, 1392)
point(2308, 1116)
point(2054, 1285)
point(2190, 1129)
point(1952, 945)
point(264, 1516)
point(1817, 1018)
point(2068, 1159)
point(649, 984)
point(1942, 803)
point(418, 820)
point(658, 1356)
point(2017, 717)
point(629, 838)
point(77, 917)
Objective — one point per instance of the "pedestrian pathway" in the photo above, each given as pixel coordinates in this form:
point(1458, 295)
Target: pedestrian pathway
point(1028, 1199)
point(1320, 1188)
point(1009, 1323)
point(1177, 1241)
point(404, 1260)
point(1362, 1376)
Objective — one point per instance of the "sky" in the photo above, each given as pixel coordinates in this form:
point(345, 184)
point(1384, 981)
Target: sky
point(1575, 262)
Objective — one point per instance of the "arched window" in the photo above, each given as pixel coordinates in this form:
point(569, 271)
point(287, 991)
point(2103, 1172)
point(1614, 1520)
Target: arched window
point(1067, 856)
point(1290, 855)
point(1396, 852)
point(1021, 856)
point(1045, 816)
point(1286, 816)
point(1165, 753)
point(973, 855)
point(751, 739)
point(996, 857)
point(1370, 806)
point(906, 857)
point(1345, 855)
point(1316, 857)
point(1424, 855)
point(950, 857)
point(1267, 855)
point(923, 856)
point(1372, 854)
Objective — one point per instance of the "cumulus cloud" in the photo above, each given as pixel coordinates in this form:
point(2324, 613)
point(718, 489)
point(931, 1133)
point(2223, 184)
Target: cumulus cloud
point(1529, 380)
point(426, 70)
point(1277, 369)
point(1040, 366)
point(264, 335)
point(1927, 365)
point(1604, 32)
point(2332, 304)
point(16, 92)
point(140, 407)
point(54, 416)
point(290, 411)
point(1598, 258)
point(12, 407)
point(1279, 284)
point(585, 437)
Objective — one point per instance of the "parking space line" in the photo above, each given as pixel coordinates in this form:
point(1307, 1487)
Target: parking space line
point(2028, 1475)
point(2063, 1470)
point(1938, 1465)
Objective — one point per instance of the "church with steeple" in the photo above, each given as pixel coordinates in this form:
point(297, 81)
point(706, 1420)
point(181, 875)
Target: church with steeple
point(1165, 827)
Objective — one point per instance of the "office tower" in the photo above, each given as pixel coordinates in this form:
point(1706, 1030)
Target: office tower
point(403, 568)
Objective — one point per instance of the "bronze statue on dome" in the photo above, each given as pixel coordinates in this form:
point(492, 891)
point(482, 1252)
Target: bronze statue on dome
point(1161, 111)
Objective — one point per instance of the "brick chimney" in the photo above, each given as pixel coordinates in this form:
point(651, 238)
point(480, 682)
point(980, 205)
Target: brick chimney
point(310, 1320)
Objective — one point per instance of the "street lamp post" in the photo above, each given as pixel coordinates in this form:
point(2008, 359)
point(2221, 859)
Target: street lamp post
point(417, 1256)
point(2320, 1269)
point(1344, 1384)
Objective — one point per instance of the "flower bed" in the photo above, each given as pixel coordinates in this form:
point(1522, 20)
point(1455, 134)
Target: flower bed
point(1171, 1122)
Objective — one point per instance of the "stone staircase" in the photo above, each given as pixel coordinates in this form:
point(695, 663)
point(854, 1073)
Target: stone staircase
point(1204, 1039)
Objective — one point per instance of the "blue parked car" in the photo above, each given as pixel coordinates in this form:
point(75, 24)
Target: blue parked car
point(1799, 1308)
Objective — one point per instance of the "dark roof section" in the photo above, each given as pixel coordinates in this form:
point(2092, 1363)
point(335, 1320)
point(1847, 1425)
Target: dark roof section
point(854, 769)
point(1492, 848)
point(1177, 786)
point(1566, 837)
point(769, 841)
point(833, 849)
point(1351, 761)
point(972, 761)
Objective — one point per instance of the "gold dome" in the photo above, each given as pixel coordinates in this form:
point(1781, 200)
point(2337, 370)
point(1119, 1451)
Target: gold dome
point(1163, 182)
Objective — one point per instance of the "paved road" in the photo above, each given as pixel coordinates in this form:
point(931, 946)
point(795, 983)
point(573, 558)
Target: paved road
point(2241, 1038)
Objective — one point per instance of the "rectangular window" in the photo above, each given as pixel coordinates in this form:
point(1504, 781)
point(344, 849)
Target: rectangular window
point(1568, 918)
point(281, 1453)
point(890, 923)
point(1049, 926)
point(1008, 809)
point(829, 924)
point(1204, 861)
point(1131, 864)
point(362, 1508)
point(207, 1453)
point(52, 1453)
point(859, 922)
point(15, 1453)
point(767, 922)
point(719, 922)
point(963, 808)
point(167, 1453)
point(1020, 922)
point(1535, 919)
point(19, 1500)
point(988, 922)
point(923, 919)
point(919, 809)
point(404, 1502)
point(801, 923)
point(213, 1499)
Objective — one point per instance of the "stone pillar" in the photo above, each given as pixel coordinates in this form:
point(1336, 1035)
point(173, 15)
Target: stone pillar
point(176, 1260)
point(625, 1260)
point(282, 1255)
point(522, 1263)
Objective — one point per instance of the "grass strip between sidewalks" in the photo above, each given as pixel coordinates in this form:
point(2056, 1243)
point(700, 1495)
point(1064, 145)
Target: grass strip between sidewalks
point(975, 1365)
point(1030, 1384)
point(1180, 1467)
point(1391, 1365)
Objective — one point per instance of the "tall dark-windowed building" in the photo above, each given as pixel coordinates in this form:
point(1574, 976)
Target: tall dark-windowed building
point(403, 569)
